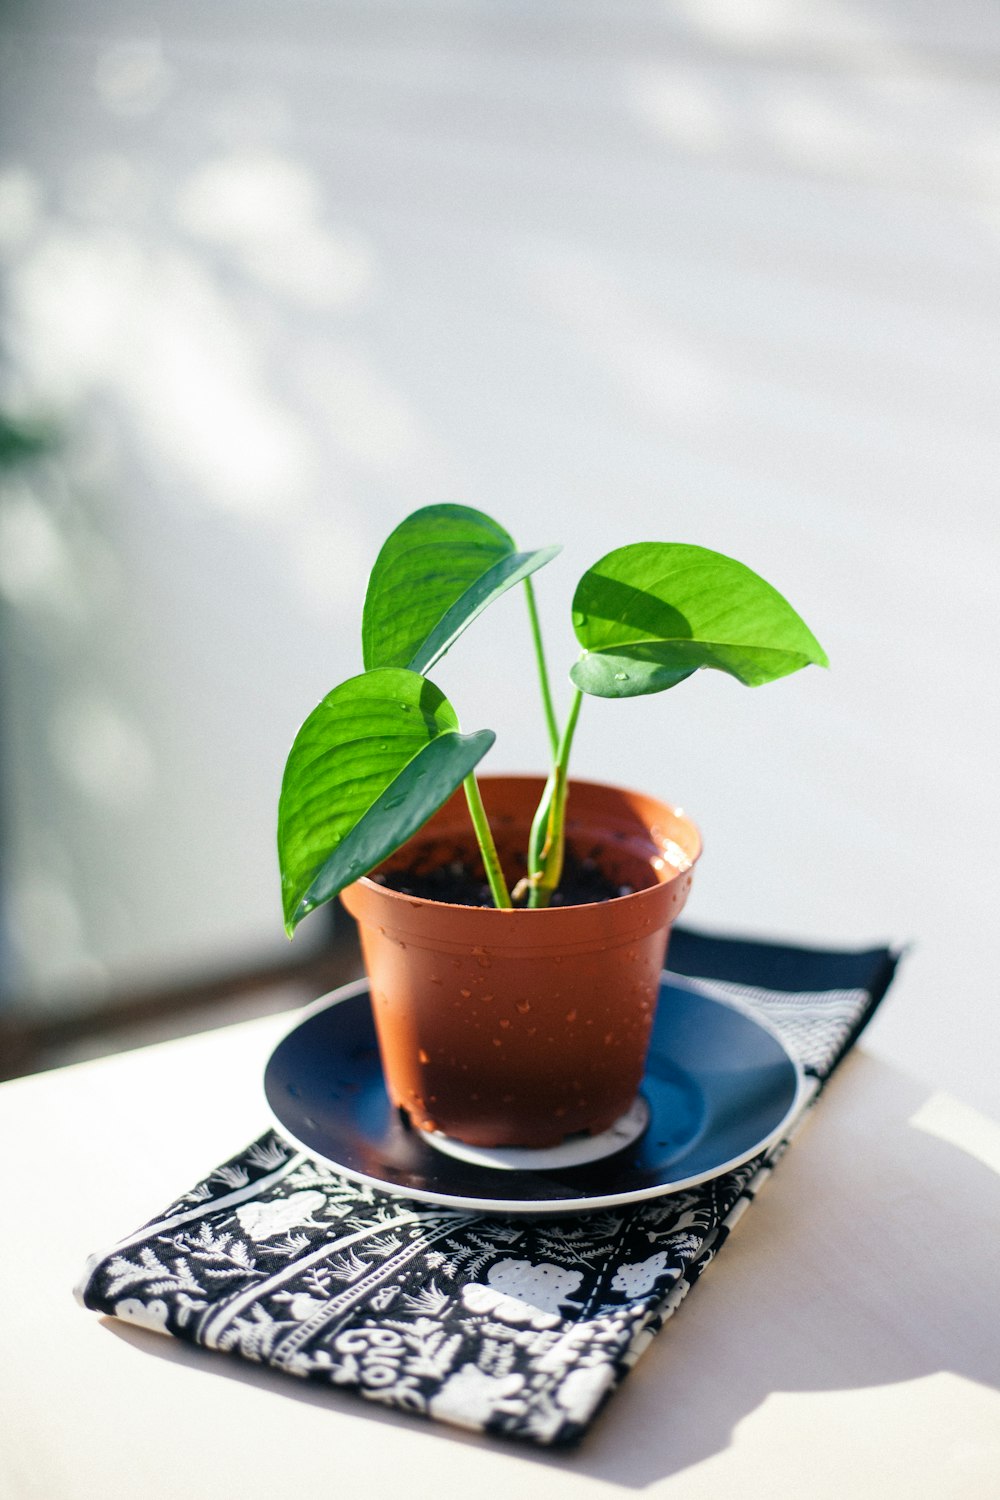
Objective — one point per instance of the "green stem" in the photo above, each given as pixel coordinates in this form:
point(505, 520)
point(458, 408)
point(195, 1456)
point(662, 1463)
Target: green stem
point(548, 832)
point(543, 675)
point(487, 848)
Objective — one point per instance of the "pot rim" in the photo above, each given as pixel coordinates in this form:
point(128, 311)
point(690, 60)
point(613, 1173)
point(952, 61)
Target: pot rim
point(508, 914)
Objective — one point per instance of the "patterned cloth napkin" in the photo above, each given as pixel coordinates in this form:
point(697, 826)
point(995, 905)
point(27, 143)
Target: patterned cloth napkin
point(510, 1325)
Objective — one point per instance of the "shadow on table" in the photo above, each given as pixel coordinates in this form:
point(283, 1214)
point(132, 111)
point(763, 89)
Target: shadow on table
point(886, 1279)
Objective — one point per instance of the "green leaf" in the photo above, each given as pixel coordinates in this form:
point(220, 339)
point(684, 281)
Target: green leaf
point(369, 766)
point(650, 614)
point(437, 571)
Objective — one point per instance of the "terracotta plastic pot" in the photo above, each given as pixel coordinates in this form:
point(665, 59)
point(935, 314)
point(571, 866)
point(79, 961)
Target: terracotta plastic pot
point(519, 1028)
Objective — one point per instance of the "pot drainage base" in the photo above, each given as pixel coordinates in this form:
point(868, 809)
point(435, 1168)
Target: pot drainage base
point(578, 1151)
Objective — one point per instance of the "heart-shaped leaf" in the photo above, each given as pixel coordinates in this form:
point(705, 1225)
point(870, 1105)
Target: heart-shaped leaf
point(650, 614)
point(369, 766)
point(438, 570)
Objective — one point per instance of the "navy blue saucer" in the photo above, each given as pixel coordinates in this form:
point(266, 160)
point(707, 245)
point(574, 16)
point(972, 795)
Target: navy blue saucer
point(719, 1086)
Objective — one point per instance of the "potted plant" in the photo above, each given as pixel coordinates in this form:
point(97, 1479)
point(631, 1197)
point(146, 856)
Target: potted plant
point(514, 929)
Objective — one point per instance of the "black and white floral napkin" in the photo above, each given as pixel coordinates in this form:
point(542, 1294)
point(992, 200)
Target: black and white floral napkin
point(515, 1326)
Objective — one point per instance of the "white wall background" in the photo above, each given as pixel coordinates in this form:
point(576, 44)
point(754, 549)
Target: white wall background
point(697, 271)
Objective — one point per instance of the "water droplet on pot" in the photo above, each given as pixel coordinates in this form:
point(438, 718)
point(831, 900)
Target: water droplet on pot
point(571, 1015)
point(504, 1023)
point(423, 1056)
point(523, 1006)
point(498, 1041)
point(609, 1037)
point(465, 994)
point(487, 997)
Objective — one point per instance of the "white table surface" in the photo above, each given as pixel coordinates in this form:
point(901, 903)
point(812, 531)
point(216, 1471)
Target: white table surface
point(844, 1345)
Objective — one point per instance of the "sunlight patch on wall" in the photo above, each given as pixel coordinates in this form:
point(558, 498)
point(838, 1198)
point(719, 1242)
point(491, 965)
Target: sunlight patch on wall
point(267, 211)
point(827, 129)
point(101, 311)
point(132, 78)
point(770, 24)
point(884, 118)
point(193, 341)
point(686, 106)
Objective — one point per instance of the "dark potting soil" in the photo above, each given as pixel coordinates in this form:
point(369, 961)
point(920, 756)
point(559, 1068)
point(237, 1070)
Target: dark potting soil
point(461, 883)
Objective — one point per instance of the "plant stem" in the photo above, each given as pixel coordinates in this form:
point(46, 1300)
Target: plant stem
point(548, 832)
point(543, 675)
point(487, 848)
